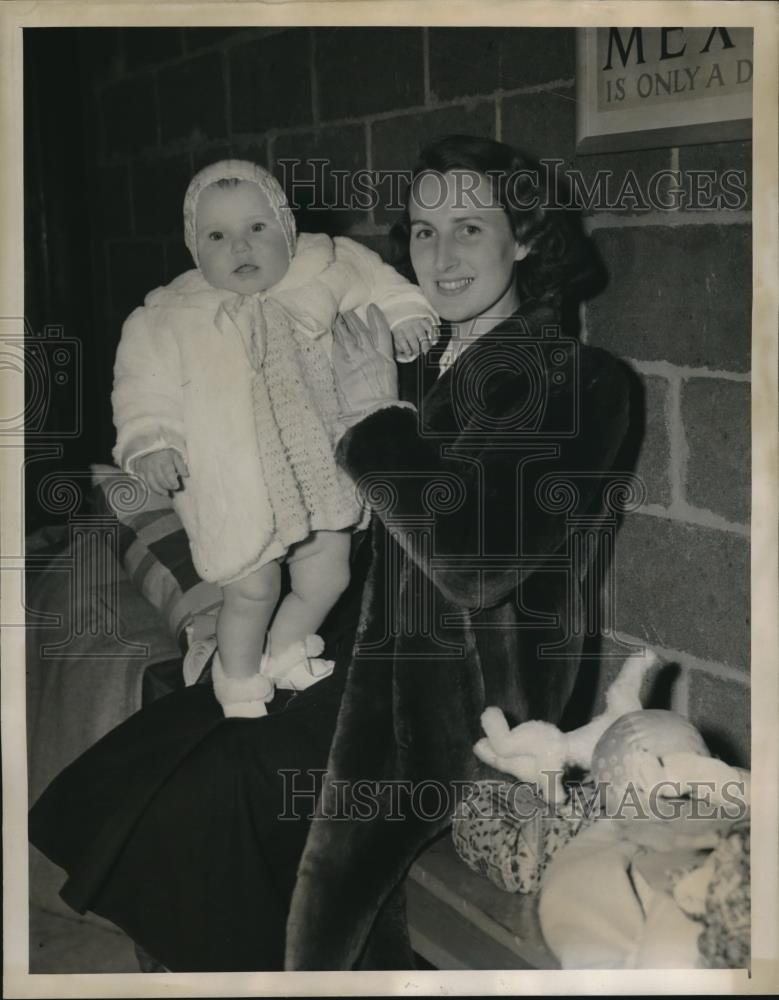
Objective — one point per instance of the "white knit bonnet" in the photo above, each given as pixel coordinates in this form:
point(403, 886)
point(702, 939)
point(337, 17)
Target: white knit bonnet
point(242, 170)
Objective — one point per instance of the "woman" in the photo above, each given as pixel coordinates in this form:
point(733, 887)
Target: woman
point(469, 543)
point(193, 849)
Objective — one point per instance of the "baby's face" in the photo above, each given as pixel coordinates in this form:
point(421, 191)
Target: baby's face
point(240, 244)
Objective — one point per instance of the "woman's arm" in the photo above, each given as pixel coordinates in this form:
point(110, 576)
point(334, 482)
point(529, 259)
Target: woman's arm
point(488, 481)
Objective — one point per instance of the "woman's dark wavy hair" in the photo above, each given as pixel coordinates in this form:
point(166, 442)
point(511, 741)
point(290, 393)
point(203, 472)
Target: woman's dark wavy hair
point(560, 257)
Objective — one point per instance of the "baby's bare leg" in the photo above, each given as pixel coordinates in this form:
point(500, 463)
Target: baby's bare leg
point(243, 619)
point(319, 574)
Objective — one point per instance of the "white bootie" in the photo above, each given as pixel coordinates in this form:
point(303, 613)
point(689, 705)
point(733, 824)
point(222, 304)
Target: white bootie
point(299, 666)
point(241, 697)
point(198, 653)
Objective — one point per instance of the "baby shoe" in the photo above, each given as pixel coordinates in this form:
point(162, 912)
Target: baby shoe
point(299, 666)
point(198, 653)
point(241, 697)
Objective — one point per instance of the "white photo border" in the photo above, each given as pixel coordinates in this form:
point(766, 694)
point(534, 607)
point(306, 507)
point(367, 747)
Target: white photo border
point(763, 976)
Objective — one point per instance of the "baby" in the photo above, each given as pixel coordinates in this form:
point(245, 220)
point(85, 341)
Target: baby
point(224, 395)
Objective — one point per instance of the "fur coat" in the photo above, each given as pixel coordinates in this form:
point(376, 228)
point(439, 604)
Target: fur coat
point(471, 600)
point(186, 377)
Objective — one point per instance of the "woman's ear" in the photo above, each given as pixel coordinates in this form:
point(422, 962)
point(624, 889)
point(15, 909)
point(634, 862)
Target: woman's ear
point(521, 252)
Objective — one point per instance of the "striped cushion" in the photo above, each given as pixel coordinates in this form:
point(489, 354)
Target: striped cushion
point(154, 550)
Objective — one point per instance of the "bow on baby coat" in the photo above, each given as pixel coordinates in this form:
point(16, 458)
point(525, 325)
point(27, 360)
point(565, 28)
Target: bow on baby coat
point(311, 310)
point(248, 315)
point(245, 314)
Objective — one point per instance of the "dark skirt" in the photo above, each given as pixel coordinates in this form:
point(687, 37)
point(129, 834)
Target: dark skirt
point(185, 828)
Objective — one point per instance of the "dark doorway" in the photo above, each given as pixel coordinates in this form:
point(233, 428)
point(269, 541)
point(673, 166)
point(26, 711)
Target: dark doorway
point(61, 351)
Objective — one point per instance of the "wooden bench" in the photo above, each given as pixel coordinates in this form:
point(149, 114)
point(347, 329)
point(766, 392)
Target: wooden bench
point(459, 920)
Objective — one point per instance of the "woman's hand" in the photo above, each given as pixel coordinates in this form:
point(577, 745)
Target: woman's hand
point(365, 372)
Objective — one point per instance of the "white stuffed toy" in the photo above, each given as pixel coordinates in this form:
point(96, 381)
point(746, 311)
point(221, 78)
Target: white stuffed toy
point(623, 747)
point(535, 751)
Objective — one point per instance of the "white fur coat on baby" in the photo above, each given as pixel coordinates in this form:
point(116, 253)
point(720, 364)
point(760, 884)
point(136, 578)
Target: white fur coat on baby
point(184, 377)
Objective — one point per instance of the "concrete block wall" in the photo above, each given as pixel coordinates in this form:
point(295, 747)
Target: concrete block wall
point(677, 306)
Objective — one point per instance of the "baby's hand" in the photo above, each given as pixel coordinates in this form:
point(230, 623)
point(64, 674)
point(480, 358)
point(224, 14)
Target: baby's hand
point(161, 470)
point(413, 337)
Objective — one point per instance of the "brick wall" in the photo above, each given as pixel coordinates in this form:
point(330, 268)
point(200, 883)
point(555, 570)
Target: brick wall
point(677, 307)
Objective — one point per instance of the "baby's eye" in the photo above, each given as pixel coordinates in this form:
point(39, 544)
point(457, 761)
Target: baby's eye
point(215, 235)
point(470, 230)
point(257, 227)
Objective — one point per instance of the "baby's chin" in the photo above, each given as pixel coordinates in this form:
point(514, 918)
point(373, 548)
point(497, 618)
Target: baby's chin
point(249, 285)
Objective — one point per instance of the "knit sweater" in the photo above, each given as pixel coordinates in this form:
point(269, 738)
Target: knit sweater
point(242, 387)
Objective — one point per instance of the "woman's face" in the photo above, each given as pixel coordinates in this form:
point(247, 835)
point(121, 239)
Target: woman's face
point(462, 246)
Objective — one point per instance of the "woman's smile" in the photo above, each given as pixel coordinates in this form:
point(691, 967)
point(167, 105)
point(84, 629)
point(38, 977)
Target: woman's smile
point(453, 286)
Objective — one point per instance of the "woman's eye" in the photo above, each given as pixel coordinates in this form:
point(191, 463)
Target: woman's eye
point(423, 234)
point(257, 227)
point(216, 235)
point(470, 230)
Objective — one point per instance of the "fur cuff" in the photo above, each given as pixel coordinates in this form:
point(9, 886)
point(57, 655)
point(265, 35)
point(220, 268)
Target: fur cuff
point(346, 421)
point(241, 697)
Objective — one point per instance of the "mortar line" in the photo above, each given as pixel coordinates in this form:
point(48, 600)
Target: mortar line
point(466, 102)
point(668, 220)
point(427, 97)
point(700, 517)
point(368, 138)
point(680, 696)
point(228, 101)
point(584, 332)
point(270, 151)
point(157, 115)
point(669, 370)
point(313, 76)
point(368, 133)
point(677, 441)
point(675, 166)
point(670, 655)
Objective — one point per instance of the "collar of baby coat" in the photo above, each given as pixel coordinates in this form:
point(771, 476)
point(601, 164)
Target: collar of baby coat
point(314, 253)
